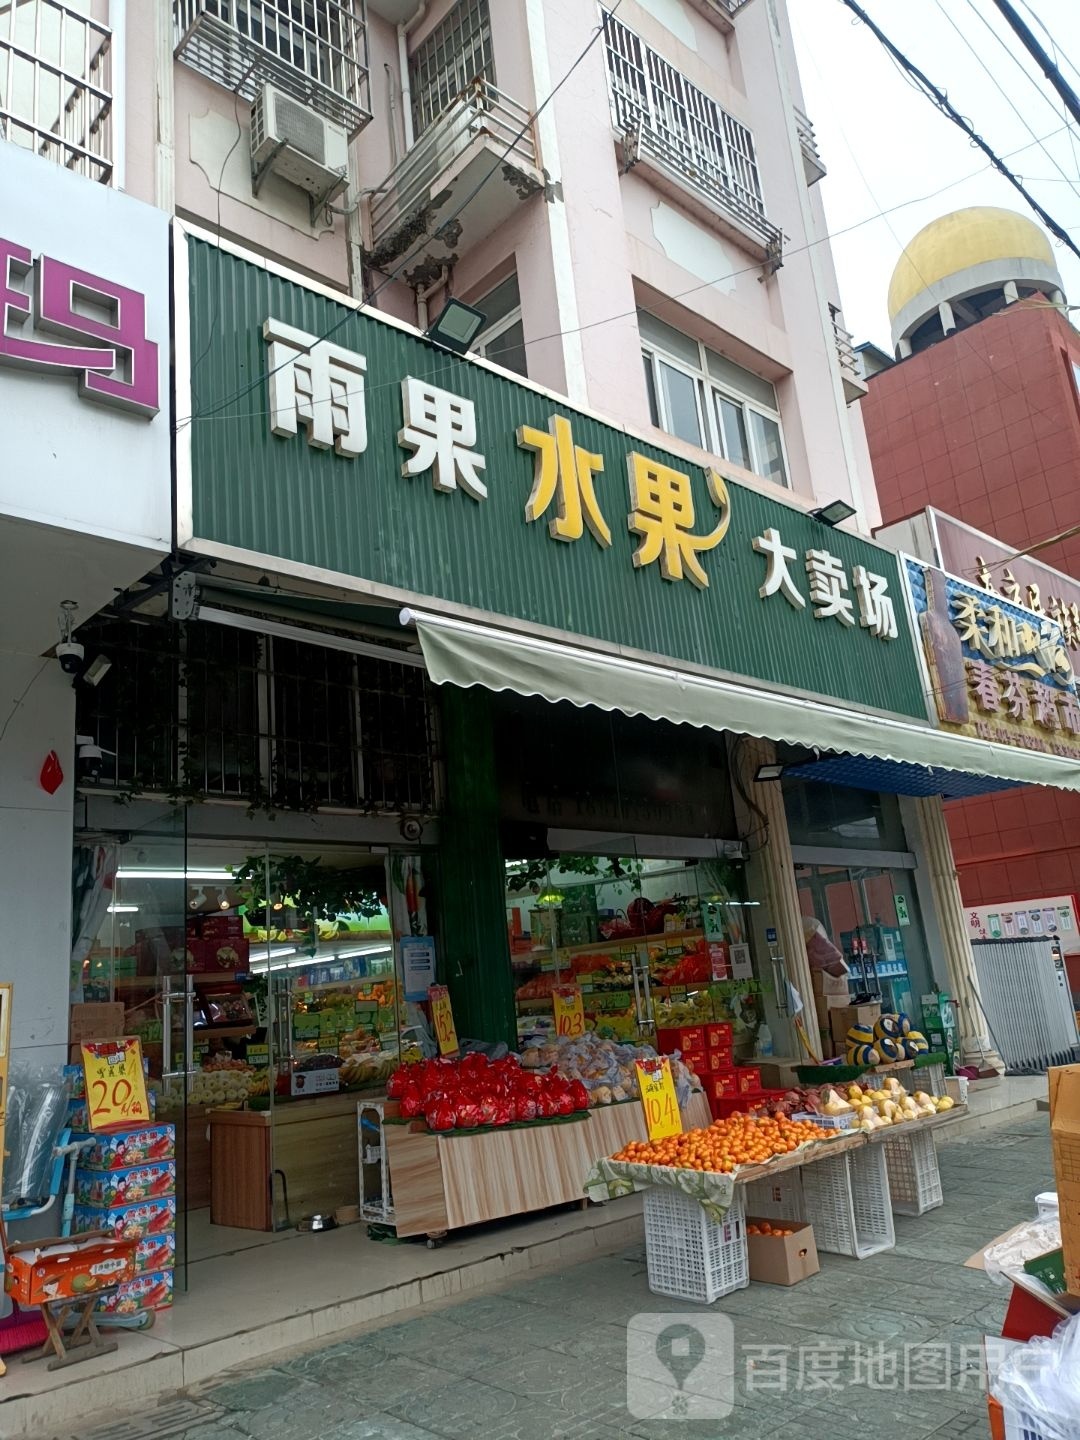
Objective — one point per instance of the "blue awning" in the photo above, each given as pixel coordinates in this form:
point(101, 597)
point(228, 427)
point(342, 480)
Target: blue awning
point(896, 777)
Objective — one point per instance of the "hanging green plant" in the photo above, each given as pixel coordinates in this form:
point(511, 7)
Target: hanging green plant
point(323, 891)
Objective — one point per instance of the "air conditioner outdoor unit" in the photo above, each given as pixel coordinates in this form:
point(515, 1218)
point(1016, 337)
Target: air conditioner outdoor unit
point(298, 145)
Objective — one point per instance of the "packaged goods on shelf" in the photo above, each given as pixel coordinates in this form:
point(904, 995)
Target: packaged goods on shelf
point(138, 1145)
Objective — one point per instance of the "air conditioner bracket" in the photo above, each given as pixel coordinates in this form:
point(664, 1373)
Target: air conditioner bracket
point(318, 203)
point(260, 172)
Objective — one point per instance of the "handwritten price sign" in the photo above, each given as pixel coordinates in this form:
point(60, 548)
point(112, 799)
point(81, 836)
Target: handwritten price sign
point(115, 1083)
point(658, 1098)
point(569, 1013)
point(443, 1019)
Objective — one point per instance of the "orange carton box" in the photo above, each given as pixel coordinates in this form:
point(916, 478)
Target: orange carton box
point(1065, 1142)
point(42, 1270)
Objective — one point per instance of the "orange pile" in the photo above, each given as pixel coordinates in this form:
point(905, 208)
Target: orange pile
point(764, 1228)
point(738, 1140)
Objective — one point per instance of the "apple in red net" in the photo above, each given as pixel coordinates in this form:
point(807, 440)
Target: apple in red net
point(442, 1115)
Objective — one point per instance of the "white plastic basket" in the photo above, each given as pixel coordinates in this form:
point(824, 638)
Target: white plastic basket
point(914, 1177)
point(930, 1078)
point(1019, 1426)
point(847, 1202)
point(689, 1255)
point(780, 1198)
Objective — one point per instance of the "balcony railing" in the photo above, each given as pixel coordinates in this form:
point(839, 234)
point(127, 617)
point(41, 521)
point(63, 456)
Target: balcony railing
point(314, 50)
point(723, 11)
point(405, 199)
point(813, 165)
point(855, 387)
point(662, 117)
point(56, 85)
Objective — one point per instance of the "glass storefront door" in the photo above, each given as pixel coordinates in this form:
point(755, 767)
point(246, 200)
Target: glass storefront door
point(872, 916)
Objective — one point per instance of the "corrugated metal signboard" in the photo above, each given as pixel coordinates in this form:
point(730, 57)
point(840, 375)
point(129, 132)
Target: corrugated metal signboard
point(517, 505)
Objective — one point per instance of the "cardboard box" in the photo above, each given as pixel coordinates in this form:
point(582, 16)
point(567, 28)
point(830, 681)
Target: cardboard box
point(144, 1292)
point(107, 1188)
point(698, 1061)
point(782, 1259)
point(720, 1059)
point(842, 1017)
point(155, 1252)
point(748, 1079)
point(138, 1145)
point(721, 1084)
point(129, 1222)
point(779, 1072)
point(41, 1270)
point(719, 1035)
point(682, 1037)
point(96, 1022)
point(833, 989)
point(1065, 1142)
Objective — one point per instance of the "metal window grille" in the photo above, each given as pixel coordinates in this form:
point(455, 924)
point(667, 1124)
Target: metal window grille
point(457, 52)
point(205, 710)
point(682, 126)
point(314, 50)
point(56, 85)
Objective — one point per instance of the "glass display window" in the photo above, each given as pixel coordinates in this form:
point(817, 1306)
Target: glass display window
point(649, 943)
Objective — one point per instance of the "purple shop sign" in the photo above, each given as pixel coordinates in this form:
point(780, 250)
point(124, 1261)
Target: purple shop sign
point(119, 367)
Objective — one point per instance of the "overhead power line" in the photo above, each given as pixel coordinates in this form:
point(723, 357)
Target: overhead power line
point(941, 100)
point(1041, 58)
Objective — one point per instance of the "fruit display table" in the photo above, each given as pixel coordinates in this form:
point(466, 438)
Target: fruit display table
point(441, 1183)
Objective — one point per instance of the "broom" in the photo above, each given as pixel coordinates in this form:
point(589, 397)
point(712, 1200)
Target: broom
point(22, 1328)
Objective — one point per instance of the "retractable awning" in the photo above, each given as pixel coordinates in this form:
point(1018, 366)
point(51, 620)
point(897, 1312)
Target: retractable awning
point(461, 653)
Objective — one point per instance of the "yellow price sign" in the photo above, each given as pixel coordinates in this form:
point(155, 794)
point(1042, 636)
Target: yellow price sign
point(569, 1011)
point(658, 1098)
point(442, 1017)
point(115, 1083)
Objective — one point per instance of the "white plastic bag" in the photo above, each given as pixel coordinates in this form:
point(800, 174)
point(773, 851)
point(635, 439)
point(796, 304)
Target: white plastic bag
point(1040, 1381)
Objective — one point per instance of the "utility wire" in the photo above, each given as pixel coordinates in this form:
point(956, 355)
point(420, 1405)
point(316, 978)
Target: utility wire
point(1041, 58)
point(1055, 48)
point(941, 100)
point(449, 367)
point(392, 275)
point(997, 85)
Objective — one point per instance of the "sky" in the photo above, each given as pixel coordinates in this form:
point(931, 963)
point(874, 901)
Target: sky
point(886, 146)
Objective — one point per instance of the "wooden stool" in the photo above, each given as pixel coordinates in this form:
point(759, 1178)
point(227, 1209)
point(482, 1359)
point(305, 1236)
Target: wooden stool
point(86, 1340)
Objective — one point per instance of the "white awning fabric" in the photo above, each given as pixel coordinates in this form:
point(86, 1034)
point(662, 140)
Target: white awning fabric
point(464, 654)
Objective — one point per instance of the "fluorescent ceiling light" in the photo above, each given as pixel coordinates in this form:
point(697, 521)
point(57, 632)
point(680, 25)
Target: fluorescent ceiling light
point(382, 949)
point(122, 909)
point(200, 875)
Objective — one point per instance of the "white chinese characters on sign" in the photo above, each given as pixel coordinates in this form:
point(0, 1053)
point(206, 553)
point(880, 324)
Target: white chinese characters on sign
point(440, 430)
point(777, 576)
point(319, 386)
point(828, 582)
point(876, 611)
point(828, 586)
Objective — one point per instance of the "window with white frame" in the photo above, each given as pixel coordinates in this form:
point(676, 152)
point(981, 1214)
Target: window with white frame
point(502, 339)
point(56, 84)
point(456, 52)
point(709, 401)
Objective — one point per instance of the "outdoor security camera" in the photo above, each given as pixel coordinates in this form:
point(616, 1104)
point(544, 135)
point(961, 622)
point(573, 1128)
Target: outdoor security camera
point(91, 757)
point(70, 654)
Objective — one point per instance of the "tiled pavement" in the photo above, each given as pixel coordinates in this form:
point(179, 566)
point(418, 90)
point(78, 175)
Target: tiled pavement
point(546, 1359)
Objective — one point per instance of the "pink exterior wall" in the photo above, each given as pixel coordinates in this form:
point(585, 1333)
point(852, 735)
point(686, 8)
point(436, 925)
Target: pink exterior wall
point(602, 242)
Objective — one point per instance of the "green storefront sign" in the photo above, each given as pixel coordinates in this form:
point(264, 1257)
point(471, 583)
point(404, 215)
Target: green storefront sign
point(374, 457)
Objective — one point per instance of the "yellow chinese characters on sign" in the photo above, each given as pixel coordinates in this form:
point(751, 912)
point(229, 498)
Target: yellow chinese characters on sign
point(662, 513)
point(564, 473)
point(998, 672)
point(442, 1018)
point(658, 1098)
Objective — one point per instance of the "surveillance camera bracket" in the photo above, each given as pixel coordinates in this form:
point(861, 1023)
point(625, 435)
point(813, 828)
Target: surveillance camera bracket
point(184, 596)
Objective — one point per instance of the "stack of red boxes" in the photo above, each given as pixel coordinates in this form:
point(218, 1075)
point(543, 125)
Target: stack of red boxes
point(708, 1050)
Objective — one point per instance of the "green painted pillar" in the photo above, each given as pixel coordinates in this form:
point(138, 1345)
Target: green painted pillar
point(471, 885)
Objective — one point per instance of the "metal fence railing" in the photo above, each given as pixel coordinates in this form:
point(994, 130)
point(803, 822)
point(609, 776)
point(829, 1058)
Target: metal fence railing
point(480, 109)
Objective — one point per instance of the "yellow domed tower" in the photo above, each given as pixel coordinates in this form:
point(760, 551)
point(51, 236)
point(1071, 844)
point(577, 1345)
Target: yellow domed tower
point(963, 267)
